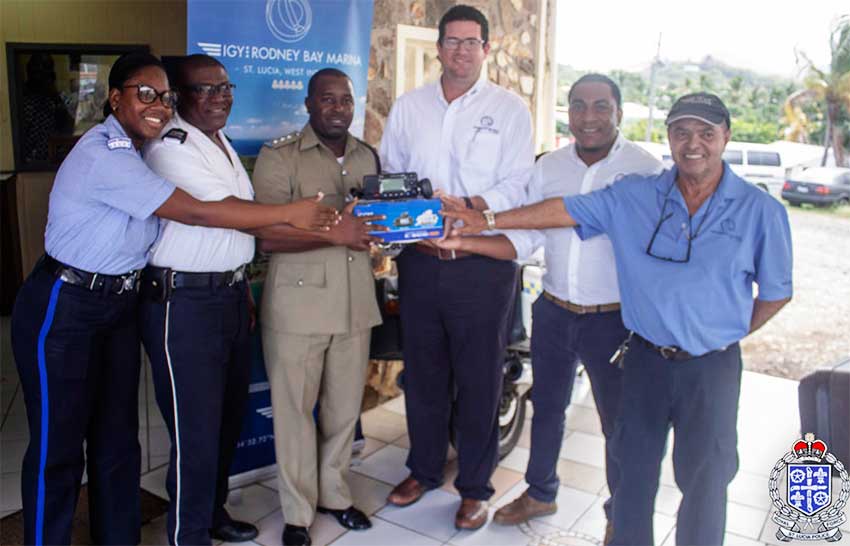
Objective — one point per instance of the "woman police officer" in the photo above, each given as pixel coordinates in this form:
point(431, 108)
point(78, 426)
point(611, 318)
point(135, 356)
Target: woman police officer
point(74, 326)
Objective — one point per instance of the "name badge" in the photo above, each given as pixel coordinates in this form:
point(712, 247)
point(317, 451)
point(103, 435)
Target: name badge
point(119, 143)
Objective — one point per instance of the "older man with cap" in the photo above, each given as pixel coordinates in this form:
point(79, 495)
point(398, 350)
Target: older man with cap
point(689, 244)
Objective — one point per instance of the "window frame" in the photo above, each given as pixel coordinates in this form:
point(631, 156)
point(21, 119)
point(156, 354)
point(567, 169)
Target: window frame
point(13, 50)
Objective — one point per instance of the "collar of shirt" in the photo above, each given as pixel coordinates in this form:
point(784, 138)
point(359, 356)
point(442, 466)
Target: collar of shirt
point(309, 139)
point(729, 188)
point(470, 94)
point(611, 157)
point(208, 148)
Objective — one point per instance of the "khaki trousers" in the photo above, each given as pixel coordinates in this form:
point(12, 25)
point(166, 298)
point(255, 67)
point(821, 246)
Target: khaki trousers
point(313, 463)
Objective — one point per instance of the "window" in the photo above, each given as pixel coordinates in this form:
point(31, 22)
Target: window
point(56, 94)
point(733, 157)
point(767, 159)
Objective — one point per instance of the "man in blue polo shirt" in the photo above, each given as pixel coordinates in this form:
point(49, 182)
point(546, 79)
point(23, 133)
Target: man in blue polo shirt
point(689, 244)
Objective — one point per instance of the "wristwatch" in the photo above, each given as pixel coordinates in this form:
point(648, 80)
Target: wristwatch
point(490, 216)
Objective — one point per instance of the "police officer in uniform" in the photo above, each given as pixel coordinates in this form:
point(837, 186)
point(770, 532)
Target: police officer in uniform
point(318, 309)
point(74, 327)
point(195, 310)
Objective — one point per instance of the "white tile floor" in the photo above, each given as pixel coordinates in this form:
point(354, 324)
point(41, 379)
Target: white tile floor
point(768, 424)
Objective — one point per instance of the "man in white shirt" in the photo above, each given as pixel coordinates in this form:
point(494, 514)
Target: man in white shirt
point(471, 139)
point(196, 310)
point(577, 318)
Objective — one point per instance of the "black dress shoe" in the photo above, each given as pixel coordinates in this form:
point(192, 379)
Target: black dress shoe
point(235, 531)
point(295, 536)
point(350, 518)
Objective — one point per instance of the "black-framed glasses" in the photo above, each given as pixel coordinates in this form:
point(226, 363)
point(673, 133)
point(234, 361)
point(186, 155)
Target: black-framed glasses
point(206, 90)
point(148, 95)
point(691, 235)
point(469, 44)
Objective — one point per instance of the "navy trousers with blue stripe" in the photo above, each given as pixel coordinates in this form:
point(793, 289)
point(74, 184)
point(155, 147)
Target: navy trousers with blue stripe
point(77, 354)
point(199, 347)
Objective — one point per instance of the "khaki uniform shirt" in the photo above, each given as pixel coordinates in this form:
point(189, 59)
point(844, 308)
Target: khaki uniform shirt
point(327, 290)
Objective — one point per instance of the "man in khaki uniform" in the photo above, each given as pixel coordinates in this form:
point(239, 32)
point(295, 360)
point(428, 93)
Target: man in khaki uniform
point(318, 308)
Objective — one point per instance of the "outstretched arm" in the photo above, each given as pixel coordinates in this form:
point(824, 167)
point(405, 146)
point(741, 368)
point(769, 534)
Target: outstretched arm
point(235, 213)
point(497, 246)
point(550, 213)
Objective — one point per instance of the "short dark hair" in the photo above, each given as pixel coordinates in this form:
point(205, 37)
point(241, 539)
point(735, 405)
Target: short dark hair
point(598, 78)
point(178, 70)
point(462, 12)
point(314, 79)
point(127, 66)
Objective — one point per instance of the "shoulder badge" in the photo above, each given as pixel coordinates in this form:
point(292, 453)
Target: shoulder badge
point(283, 140)
point(175, 135)
point(119, 143)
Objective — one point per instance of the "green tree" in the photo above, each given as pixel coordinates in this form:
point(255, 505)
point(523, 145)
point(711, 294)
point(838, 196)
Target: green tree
point(831, 89)
point(636, 131)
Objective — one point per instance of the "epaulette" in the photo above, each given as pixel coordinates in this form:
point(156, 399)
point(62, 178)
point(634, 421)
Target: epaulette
point(283, 140)
point(175, 135)
point(119, 143)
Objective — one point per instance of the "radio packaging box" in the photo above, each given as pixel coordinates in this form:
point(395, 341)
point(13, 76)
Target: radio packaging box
point(408, 220)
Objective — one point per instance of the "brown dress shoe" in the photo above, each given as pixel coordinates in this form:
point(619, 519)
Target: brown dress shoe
point(522, 509)
point(471, 515)
point(407, 492)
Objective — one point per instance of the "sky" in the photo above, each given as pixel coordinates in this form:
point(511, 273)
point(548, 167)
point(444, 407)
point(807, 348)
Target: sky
point(757, 34)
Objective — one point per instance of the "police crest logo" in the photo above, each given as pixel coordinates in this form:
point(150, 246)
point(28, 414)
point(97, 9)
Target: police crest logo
point(809, 509)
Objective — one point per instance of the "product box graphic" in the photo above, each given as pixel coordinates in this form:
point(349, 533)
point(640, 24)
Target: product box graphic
point(408, 220)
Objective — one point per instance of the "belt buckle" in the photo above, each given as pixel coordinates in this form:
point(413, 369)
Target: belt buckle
point(451, 255)
point(667, 352)
point(93, 280)
point(128, 282)
point(171, 279)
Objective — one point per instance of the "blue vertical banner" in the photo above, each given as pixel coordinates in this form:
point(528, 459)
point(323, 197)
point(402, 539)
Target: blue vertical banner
point(270, 49)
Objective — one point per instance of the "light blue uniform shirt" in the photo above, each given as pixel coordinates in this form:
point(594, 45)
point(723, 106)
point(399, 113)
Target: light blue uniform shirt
point(101, 206)
point(707, 303)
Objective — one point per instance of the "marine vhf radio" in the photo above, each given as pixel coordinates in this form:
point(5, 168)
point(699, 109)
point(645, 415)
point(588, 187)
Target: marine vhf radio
point(406, 202)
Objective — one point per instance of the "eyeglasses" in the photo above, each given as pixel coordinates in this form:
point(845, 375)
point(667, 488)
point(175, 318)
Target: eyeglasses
point(469, 44)
point(206, 90)
point(148, 95)
point(691, 236)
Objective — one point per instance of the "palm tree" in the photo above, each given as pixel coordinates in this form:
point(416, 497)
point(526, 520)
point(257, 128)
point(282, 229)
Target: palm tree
point(830, 88)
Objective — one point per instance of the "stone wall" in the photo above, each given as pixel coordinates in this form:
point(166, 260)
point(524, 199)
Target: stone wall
point(514, 37)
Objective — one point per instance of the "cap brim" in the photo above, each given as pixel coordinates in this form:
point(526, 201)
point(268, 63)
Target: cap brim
point(694, 116)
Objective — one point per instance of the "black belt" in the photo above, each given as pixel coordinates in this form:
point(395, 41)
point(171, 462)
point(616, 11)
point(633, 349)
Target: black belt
point(671, 352)
point(181, 279)
point(115, 284)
